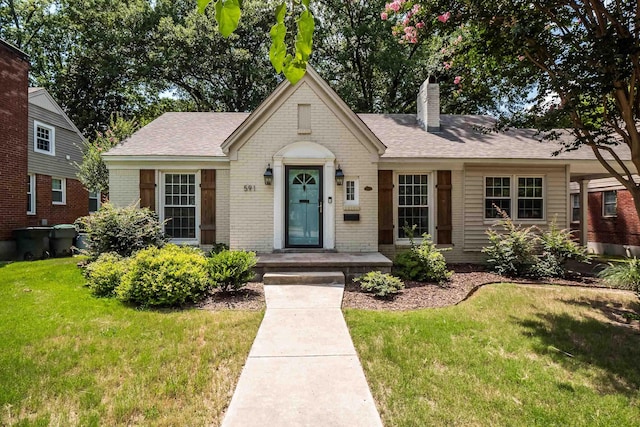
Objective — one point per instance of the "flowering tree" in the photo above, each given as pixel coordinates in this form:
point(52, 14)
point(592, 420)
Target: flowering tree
point(585, 54)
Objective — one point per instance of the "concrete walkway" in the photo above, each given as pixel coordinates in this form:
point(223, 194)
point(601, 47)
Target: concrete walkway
point(302, 369)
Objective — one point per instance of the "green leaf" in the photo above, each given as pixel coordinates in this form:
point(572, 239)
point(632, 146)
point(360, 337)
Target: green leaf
point(278, 49)
point(227, 15)
point(202, 5)
point(304, 38)
point(294, 69)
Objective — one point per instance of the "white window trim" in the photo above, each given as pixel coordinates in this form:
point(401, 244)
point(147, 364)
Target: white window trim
point(161, 204)
point(52, 138)
point(604, 215)
point(32, 193)
point(430, 199)
point(574, 196)
point(484, 195)
point(99, 201)
point(356, 193)
point(63, 189)
point(515, 198)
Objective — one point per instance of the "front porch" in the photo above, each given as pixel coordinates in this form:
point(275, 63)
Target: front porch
point(351, 264)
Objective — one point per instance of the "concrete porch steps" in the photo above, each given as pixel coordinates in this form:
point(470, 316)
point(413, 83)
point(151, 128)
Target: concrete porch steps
point(304, 278)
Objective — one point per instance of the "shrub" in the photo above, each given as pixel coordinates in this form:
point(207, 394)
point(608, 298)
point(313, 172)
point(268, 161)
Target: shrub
point(422, 263)
point(217, 248)
point(121, 230)
point(625, 275)
point(380, 284)
point(231, 270)
point(104, 274)
point(168, 276)
point(513, 251)
point(558, 247)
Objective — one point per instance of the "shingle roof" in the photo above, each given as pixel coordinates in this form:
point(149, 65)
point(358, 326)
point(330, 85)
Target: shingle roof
point(181, 134)
point(461, 137)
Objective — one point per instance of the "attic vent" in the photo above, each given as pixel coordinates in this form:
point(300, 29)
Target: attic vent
point(304, 118)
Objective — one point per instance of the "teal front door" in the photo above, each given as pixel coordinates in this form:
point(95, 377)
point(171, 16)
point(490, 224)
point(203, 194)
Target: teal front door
point(304, 207)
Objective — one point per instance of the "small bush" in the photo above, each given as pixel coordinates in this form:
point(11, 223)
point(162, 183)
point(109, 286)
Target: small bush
point(625, 275)
point(231, 270)
point(168, 276)
point(512, 252)
point(121, 230)
point(382, 285)
point(422, 263)
point(217, 248)
point(104, 274)
point(558, 247)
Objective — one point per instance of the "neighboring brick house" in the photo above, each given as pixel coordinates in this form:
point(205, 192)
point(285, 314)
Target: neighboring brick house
point(39, 146)
point(613, 226)
point(303, 172)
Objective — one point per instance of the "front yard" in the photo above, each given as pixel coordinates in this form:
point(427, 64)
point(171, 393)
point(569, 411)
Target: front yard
point(67, 358)
point(510, 355)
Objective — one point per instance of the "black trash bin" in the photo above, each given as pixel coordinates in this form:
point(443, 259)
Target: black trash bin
point(61, 239)
point(32, 242)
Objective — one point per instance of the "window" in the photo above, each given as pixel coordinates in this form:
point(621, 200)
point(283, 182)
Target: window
point(31, 194)
point(180, 205)
point(94, 201)
point(58, 191)
point(413, 204)
point(497, 191)
point(530, 202)
point(304, 118)
point(609, 203)
point(351, 192)
point(575, 208)
point(44, 138)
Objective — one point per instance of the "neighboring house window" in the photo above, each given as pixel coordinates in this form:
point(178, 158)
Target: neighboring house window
point(58, 191)
point(530, 200)
point(44, 138)
point(609, 203)
point(31, 195)
point(94, 201)
point(413, 204)
point(497, 191)
point(180, 205)
point(351, 195)
point(529, 203)
point(575, 208)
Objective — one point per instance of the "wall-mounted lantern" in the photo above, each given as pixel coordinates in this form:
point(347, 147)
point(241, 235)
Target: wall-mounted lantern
point(339, 176)
point(268, 175)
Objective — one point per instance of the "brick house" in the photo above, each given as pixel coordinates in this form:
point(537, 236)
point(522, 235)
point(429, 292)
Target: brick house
point(613, 226)
point(38, 147)
point(303, 172)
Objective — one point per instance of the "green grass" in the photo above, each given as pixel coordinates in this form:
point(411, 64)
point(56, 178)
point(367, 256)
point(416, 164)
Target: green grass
point(67, 358)
point(510, 356)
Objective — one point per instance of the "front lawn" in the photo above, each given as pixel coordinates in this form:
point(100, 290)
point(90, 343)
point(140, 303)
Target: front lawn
point(510, 355)
point(67, 358)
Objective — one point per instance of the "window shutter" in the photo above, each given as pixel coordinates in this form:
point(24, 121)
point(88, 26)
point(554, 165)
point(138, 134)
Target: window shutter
point(208, 206)
point(385, 207)
point(444, 225)
point(148, 189)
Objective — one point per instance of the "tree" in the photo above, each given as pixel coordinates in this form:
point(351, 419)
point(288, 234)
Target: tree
point(584, 52)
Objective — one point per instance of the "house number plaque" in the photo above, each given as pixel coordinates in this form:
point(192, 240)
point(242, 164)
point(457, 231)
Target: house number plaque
point(249, 187)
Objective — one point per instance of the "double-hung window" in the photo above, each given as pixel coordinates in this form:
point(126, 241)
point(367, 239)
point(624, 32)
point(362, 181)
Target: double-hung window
point(520, 197)
point(44, 138)
point(58, 191)
point(31, 194)
point(609, 203)
point(351, 195)
point(413, 204)
point(575, 208)
point(180, 205)
point(94, 201)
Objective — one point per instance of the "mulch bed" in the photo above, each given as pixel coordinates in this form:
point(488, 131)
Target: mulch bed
point(467, 278)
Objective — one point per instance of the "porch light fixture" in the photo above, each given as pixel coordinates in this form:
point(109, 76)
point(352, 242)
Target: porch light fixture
point(339, 176)
point(268, 175)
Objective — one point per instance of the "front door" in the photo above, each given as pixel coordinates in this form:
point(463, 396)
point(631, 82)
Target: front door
point(304, 207)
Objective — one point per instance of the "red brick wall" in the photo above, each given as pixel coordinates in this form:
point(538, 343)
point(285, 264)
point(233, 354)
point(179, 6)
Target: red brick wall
point(77, 203)
point(14, 121)
point(623, 229)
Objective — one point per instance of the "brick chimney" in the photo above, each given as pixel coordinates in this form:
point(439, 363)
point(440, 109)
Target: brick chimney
point(428, 114)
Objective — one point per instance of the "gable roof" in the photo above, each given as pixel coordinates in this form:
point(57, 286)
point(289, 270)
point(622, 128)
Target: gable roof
point(40, 97)
point(273, 102)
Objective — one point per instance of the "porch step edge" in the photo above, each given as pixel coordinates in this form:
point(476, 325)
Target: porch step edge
point(304, 278)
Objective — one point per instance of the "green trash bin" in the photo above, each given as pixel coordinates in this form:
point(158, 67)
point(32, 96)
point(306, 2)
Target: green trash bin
point(61, 239)
point(32, 242)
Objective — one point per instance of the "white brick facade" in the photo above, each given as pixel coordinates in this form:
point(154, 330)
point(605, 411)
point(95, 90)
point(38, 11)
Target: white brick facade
point(124, 186)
